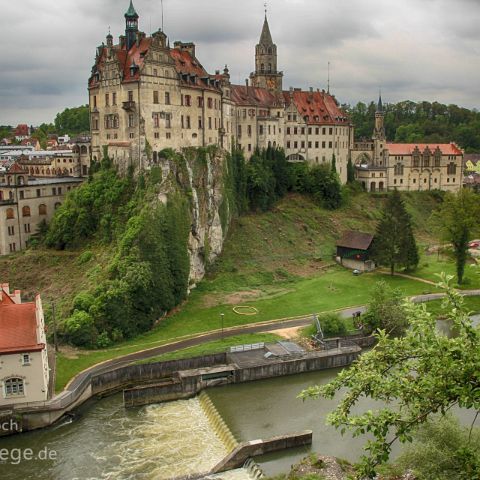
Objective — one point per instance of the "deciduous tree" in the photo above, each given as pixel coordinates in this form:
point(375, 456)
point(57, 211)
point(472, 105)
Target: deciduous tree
point(415, 377)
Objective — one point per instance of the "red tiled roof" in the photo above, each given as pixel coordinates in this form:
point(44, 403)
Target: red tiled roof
point(6, 299)
point(16, 168)
point(21, 130)
point(356, 240)
point(408, 148)
point(18, 325)
point(254, 96)
point(185, 63)
point(318, 108)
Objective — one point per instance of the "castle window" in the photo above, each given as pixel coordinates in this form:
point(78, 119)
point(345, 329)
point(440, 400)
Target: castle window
point(156, 120)
point(94, 101)
point(42, 209)
point(107, 101)
point(426, 160)
point(269, 67)
point(167, 98)
point(188, 121)
point(188, 100)
point(25, 211)
point(130, 95)
point(131, 120)
point(438, 158)
point(260, 130)
point(14, 387)
point(210, 103)
point(168, 121)
point(200, 102)
point(11, 230)
point(416, 161)
point(262, 67)
point(10, 213)
point(155, 97)
point(451, 169)
point(200, 124)
point(114, 98)
point(324, 131)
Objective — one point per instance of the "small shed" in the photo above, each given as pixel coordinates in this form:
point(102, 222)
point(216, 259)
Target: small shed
point(354, 250)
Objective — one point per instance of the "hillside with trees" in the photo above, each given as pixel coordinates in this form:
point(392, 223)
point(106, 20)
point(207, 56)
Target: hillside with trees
point(410, 122)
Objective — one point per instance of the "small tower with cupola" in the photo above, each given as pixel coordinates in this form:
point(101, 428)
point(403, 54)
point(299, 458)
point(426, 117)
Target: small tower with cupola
point(131, 26)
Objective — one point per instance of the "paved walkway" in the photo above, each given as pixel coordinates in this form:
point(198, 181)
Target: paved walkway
point(410, 277)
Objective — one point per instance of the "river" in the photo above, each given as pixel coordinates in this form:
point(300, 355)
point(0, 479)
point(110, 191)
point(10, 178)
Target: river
point(107, 441)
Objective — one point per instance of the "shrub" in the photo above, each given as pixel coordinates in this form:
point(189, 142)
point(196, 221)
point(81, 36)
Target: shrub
point(85, 257)
point(332, 324)
point(80, 329)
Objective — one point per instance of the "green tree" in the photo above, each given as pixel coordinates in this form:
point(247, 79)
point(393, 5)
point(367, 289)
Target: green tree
point(442, 450)
point(334, 164)
point(386, 311)
point(73, 120)
point(350, 170)
point(394, 243)
point(416, 376)
point(457, 219)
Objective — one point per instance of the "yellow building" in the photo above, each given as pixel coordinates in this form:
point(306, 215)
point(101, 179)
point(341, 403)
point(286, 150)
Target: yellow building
point(382, 165)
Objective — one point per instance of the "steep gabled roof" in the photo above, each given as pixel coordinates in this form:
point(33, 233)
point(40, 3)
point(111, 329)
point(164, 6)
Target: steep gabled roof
point(356, 240)
point(317, 108)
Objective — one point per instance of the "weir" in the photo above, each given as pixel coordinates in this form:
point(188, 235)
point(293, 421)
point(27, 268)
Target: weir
point(219, 426)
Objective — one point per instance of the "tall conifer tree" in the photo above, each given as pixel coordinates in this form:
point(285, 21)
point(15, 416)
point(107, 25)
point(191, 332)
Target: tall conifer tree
point(394, 243)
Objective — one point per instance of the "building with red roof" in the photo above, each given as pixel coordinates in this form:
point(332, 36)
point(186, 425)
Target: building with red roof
point(21, 132)
point(382, 165)
point(144, 91)
point(24, 372)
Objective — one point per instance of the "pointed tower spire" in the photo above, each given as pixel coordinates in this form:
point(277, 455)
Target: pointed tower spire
point(266, 74)
point(266, 36)
point(131, 11)
point(380, 104)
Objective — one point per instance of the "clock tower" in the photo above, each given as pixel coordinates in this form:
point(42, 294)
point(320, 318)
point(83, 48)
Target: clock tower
point(266, 74)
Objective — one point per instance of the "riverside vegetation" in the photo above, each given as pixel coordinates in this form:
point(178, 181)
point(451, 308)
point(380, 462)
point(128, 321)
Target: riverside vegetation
point(113, 233)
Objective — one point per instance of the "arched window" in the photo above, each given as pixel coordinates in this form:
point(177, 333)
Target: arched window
point(37, 171)
point(372, 187)
point(262, 67)
point(14, 386)
point(25, 211)
point(380, 187)
point(42, 209)
point(416, 161)
point(398, 169)
point(57, 205)
point(48, 171)
point(10, 213)
point(83, 150)
point(426, 160)
point(451, 169)
point(269, 67)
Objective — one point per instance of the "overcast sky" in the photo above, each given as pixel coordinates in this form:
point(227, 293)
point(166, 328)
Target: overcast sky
point(412, 49)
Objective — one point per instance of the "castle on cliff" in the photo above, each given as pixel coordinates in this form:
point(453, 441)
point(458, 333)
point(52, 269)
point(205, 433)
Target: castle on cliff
point(146, 95)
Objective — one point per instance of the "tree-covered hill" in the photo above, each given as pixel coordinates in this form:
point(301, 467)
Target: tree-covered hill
point(408, 122)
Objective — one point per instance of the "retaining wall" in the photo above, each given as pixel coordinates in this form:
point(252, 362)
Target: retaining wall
point(254, 448)
point(188, 384)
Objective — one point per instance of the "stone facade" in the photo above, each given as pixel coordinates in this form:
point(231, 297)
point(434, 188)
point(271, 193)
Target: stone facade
point(146, 96)
point(25, 202)
point(381, 165)
point(24, 369)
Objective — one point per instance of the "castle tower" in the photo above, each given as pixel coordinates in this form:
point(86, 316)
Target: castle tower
point(379, 137)
point(266, 74)
point(131, 26)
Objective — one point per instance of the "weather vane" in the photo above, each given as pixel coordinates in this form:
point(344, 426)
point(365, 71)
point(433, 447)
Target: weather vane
point(265, 5)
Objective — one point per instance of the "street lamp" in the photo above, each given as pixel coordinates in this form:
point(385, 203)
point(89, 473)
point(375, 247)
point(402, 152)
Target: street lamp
point(222, 315)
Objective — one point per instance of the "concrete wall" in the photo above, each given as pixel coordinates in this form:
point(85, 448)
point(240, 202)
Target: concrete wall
point(188, 385)
point(149, 372)
point(260, 447)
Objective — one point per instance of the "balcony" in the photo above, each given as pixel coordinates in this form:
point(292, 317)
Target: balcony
point(129, 106)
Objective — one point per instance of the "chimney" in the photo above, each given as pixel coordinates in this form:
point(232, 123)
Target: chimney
point(246, 84)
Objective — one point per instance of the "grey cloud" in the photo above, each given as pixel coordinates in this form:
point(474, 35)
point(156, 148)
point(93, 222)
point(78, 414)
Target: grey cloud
point(427, 49)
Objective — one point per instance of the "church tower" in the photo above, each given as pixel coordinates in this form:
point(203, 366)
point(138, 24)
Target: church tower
point(131, 26)
point(266, 74)
point(379, 137)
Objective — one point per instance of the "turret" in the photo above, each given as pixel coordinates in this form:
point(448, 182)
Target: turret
point(266, 74)
point(131, 26)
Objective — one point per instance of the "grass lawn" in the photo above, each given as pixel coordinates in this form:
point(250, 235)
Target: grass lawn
point(431, 265)
point(471, 303)
point(215, 347)
point(335, 289)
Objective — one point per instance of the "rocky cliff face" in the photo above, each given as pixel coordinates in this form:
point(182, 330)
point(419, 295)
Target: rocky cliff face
point(199, 173)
